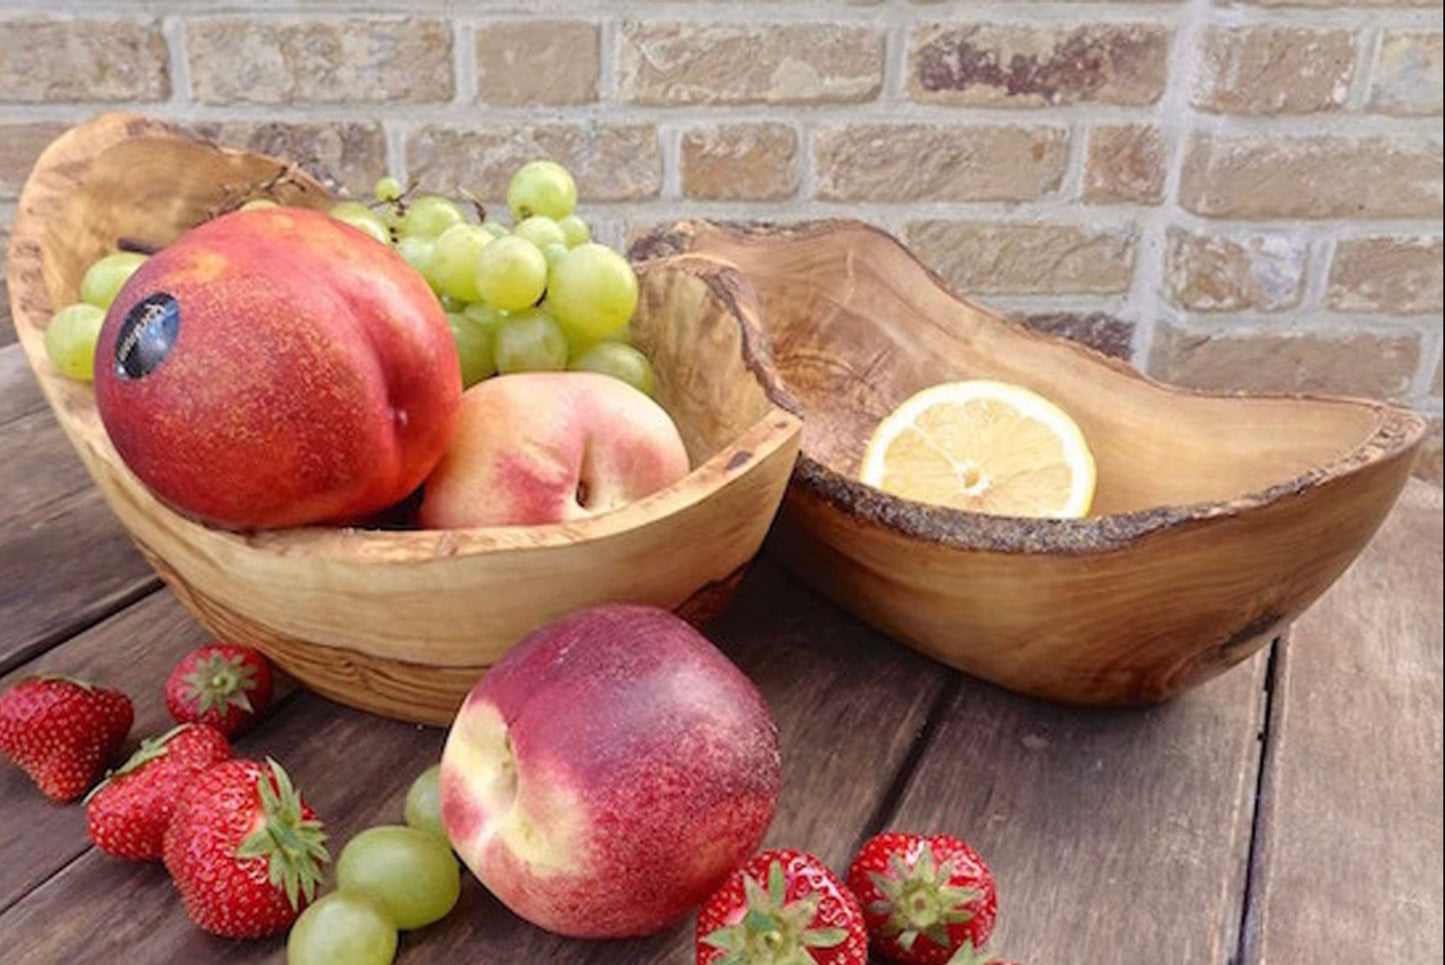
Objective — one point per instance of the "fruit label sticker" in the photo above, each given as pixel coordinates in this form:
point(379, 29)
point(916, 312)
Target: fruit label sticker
point(147, 335)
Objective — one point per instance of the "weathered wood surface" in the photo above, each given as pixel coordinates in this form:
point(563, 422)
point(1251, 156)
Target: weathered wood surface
point(1118, 837)
point(1348, 866)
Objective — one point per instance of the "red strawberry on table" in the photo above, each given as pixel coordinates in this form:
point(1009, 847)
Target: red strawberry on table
point(923, 897)
point(127, 814)
point(244, 849)
point(222, 685)
point(782, 907)
point(63, 732)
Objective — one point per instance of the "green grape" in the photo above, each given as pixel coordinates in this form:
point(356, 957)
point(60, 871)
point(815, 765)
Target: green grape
point(104, 279)
point(416, 251)
point(541, 187)
point(530, 341)
point(70, 339)
point(454, 262)
point(258, 204)
point(387, 189)
point(428, 216)
point(615, 359)
point(511, 273)
point(424, 803)
point(411, 871)
point(592, 292)
point(344, 926)
point(575, 230)
point(360, 216)
point(474, 350)
point(480, 313)
point(540, 231)
point(495, 228)
point(553, 253)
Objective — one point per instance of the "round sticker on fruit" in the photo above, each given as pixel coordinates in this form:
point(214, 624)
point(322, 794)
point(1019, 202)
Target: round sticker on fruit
point(146, 335)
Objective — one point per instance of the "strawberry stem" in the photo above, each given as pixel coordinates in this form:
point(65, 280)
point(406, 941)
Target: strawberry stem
point(292, 844)
point(773, 930)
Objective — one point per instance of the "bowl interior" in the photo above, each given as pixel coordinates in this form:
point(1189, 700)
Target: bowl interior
point(857, 325)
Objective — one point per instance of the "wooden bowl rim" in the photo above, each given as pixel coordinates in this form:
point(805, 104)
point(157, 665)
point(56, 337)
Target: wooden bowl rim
point(769, 433)
point(1396, 430)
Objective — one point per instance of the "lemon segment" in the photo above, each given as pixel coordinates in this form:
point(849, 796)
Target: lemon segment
point(984, 447)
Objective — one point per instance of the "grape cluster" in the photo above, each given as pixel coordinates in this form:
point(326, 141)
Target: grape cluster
point(538, 296)
point(73, 331)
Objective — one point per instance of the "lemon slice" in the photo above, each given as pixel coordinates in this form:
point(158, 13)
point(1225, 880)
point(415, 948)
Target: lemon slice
point(984, 447)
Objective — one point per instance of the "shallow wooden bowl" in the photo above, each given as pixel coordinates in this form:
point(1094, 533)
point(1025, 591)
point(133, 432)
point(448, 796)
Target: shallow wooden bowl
point(403, 623)
point(1219, 518)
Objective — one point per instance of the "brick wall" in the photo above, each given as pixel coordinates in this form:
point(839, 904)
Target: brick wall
point(1236, 194)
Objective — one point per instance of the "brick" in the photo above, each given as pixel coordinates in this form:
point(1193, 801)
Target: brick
point(245, 60)
point(1408, 75)
point(1206, 273)
point(1349, 363)
point(21, 143)
point(1430, 464)
point(542, 62)
point(1332, 3)
point(927, 162)
point(340, 154)
point(740, 162)
point(776, 63)
point(980, 257)
point(7, 326)
point(1387, 274)
point(611, 162)
point(82, 59)
point(1100, 331)
point(1376, 176)
point(1275, 70)
point(1124, 163)
point(1016, 65)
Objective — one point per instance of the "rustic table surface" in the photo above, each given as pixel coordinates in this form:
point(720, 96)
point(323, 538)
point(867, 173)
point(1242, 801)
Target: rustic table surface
point(1288, 812)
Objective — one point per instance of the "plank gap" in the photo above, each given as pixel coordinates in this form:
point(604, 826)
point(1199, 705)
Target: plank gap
point(922, 741)
point(1257, 829)
point(49, 641)
point(42, 882)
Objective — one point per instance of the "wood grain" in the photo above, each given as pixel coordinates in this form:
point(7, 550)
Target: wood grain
point(400, 622)
point(849, 705)
point(1115, 836)
point(1349, 863)
point(1217, 518)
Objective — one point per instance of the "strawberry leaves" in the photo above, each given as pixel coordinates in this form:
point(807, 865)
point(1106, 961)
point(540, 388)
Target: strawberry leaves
point(291, 843)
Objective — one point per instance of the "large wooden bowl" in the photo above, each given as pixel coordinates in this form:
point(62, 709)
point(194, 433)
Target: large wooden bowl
point(1219, 518)
point(403, 622)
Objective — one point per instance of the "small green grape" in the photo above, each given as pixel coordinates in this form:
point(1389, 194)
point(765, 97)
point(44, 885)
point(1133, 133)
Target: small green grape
point(474, 350)
point(416, 251)
point(104, 279)
point(541, 187)
point(620, 361)
point(345, 926)
point(428, 216)
point(387, 189)
point(412, 872)
point(424, 803)
point(455, 258)
point(530, 341)
point(70, 340)
point(511, 273)
point(258, 204)
point(592, 292)
point(363, 218)
point(540, 231)
point(554, 253)
point(575, 230)
point(495, 228)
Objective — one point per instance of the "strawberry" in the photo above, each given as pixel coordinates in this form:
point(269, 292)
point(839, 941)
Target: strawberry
point(222, 685)
point(128, 812)
point(244, 849)
point(782, 907)
point(63, 732)
point(923, 897)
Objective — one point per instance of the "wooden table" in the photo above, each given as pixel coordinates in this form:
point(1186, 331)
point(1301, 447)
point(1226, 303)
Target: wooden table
point(1288, 812)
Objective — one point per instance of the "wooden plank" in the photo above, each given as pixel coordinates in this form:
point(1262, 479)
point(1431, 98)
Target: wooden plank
point(64, 560)
point(19, 392)
point(849, 705)
point(1348, 863)
point(1115, 836)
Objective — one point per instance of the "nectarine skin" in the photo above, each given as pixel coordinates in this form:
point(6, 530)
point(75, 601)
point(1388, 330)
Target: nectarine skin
point(608, 773)
point(275, 368)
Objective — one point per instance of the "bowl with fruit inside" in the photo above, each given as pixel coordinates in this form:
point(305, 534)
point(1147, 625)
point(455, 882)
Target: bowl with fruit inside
point(1026, 509)
point(383, 439)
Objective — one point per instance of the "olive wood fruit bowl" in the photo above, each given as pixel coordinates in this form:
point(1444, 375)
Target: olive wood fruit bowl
point(403, 622)
point(1219, 518)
